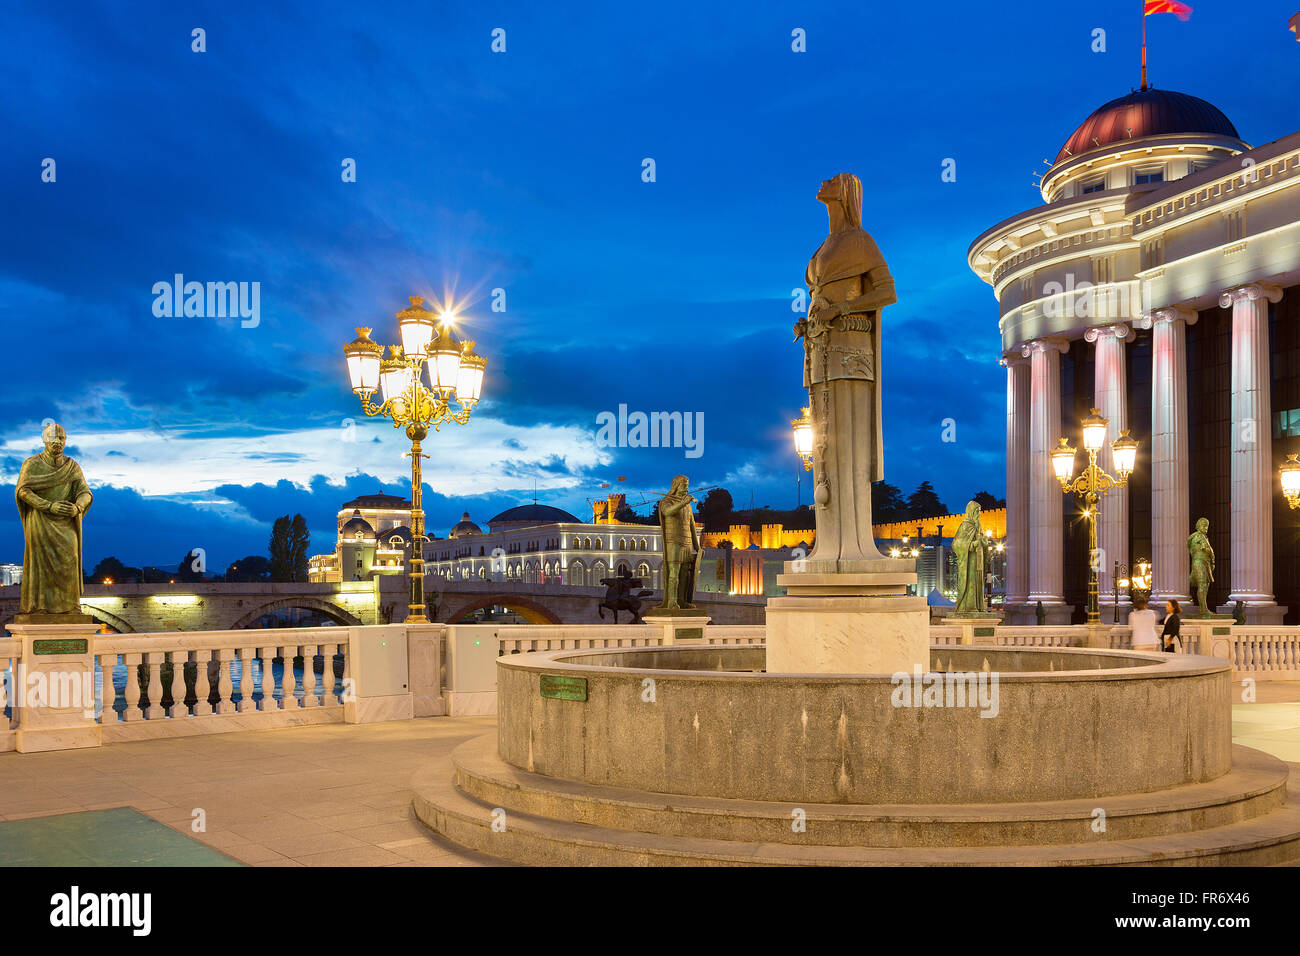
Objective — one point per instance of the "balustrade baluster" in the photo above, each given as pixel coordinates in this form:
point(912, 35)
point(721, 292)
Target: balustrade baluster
point(202, 684)
point(154, 711)
point(326, 686)
point(108, 693)
point(225, 686)
point(246, 683)
point(179, 658)
point(288, 683)
point(309, 675)
point(132, 689)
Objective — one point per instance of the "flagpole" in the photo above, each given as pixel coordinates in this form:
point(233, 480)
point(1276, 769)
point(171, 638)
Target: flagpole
point(1144, 44)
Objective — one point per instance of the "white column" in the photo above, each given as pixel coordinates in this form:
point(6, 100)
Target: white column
point(1017, 540)
point(1170, 489)
point(1110, 397)
point(1251, 559)
point(1046, 570)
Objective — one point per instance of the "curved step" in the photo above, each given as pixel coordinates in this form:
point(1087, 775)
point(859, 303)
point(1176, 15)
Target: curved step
point(1255, 786)
point(440, 805)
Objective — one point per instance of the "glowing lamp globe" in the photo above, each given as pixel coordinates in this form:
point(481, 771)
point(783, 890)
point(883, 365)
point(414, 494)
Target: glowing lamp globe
point(1094, 431)
point(1124, 451)
point(363, 357)
point(469, 376)
point(1063, 461)
point(803, 435)
point(417, 326)
point(1289, 472)
point(444, 361)
point(394, 376)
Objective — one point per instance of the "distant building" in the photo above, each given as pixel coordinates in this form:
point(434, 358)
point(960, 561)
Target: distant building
point(373, 538)
point(539, 544)
point(10, 574)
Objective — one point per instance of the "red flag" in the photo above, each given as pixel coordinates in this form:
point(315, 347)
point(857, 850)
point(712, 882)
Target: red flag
point(1180, 10)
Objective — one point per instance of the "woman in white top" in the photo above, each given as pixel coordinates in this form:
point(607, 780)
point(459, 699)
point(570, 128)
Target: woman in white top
point(1143, 622)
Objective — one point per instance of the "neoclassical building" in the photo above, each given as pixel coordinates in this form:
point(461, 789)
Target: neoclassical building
point(1159, 282)
point(539, 544)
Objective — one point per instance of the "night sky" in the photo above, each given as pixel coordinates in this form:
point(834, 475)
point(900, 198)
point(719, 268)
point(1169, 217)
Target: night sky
point(523, 171)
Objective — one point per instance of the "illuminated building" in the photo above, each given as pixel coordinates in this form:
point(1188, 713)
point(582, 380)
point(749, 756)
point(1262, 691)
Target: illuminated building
point(1158, 282)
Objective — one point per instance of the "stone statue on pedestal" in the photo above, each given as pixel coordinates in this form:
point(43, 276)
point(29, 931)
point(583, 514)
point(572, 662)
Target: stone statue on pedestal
point(681, 547)
point(849, 284)
point(52, 496)
point(968, 546)
point(1202, 573)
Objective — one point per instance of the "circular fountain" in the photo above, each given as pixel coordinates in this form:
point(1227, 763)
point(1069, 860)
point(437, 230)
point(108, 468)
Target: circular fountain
point(693, 755)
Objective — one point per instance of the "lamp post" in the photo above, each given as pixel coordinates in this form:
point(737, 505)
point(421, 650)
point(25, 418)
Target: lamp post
point(1093, 483)
point(455, 373)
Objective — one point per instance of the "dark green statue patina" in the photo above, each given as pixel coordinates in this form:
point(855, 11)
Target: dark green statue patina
point(52, 497)
point(968, 545)
point(681, 547)
point(1202, 573)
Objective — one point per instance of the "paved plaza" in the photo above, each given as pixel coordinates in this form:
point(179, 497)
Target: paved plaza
point(328, 795)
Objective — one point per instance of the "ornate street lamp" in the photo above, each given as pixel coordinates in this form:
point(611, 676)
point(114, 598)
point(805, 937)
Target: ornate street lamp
point(1093, 483)
point(455, 374)
point(1289, 472)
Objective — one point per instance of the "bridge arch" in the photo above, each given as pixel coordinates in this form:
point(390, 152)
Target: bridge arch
point(531, 611)
point(104, 617)
point(332, 611)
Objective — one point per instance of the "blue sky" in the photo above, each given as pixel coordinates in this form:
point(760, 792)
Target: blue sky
point(522, 171)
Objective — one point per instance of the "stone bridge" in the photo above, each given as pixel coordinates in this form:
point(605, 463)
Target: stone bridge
point(150, 608)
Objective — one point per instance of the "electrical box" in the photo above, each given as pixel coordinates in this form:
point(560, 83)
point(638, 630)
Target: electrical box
point(379, 665)
point(472, 658)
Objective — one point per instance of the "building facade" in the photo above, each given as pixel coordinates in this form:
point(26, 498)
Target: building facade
point(1159, 282)
point(538, 544)
point(374, 538)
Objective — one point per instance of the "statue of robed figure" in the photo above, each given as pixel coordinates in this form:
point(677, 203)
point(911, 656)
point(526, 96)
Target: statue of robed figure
point(968, 546)
point(1202, 570)
point(849, 284)
point(681, 547)
point(52, 496)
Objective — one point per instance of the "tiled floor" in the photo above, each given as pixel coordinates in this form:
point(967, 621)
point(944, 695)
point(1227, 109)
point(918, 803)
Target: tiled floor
point(335, 794)
point(121, 837)
point(330, 795)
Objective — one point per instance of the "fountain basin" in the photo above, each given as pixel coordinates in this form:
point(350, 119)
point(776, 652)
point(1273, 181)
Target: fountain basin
point(1042, 724)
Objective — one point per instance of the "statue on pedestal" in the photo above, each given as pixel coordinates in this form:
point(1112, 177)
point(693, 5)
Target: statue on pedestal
point(681, 547)
point(849, 284)
point(1202, 573)
point(968, 545)
point(52, 495)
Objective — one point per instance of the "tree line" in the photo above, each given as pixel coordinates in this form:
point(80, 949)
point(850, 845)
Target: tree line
point(285, 561)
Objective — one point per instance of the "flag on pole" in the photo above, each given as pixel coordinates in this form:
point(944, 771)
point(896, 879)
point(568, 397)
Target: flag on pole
point(1180, 10)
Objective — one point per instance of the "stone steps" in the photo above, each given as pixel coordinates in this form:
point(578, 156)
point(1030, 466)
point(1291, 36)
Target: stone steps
point(1250, 820)
point(1256, 786)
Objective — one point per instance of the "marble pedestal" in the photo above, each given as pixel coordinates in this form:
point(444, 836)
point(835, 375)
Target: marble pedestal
point(976, 628)
point(680, 626)
point(848, 618)
point(54, 689)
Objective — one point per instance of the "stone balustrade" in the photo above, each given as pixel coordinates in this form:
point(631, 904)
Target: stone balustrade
point(231, 680)
point(529, 638)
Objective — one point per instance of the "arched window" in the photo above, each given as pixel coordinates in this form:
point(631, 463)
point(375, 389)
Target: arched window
point(643, 544)
point(587, 543)
point(622, 544)
point(577, 573)
point(643, 572)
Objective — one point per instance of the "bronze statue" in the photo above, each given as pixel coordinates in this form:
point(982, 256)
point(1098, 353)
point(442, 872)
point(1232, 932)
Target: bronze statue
point(1202, 574)
point(968, 545)
point(849, 284)
point(52, 496)
point(681, 547)
point(619, 596)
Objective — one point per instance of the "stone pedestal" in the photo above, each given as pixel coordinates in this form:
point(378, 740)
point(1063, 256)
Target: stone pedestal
point(54, 689)
point(848, 617)
point(976, 628)
point(680, 626)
